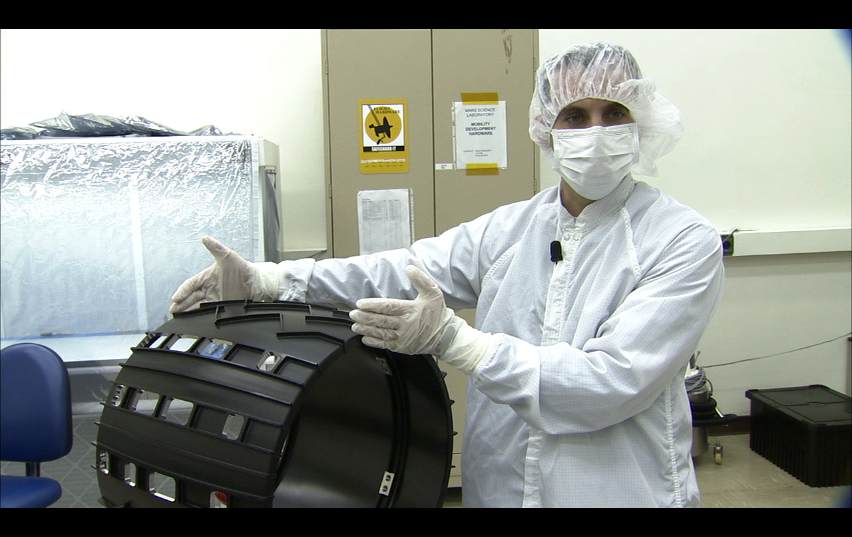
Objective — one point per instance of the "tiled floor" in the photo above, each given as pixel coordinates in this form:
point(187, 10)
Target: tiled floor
point(743, 479)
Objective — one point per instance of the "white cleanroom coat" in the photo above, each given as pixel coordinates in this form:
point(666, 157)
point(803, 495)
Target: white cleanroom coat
point(580, 398)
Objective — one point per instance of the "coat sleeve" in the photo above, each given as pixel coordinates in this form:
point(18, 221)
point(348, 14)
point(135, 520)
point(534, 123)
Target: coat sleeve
point(455, 260)
point(452, 260)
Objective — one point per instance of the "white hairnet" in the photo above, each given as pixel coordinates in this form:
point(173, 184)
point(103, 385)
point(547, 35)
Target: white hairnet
point(604, 71)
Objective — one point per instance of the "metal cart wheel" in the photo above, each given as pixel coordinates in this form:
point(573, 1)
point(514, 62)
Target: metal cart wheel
point(718, 452)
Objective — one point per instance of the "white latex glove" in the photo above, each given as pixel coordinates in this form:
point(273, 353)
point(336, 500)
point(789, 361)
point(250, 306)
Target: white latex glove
point(424, 325)
point(230, 278)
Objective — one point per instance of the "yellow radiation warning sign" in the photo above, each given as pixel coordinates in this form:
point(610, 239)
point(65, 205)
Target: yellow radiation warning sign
point(384, 133)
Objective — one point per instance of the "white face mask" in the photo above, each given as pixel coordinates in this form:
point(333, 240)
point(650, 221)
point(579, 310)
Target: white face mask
point(595, 160)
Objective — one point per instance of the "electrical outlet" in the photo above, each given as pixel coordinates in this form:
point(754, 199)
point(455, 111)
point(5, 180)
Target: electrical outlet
point(728, 244)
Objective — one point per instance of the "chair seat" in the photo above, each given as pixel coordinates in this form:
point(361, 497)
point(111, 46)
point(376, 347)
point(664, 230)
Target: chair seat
point(36, 492)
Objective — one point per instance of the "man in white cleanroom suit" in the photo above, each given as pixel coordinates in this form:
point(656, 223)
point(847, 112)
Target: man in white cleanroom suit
point(590, 299)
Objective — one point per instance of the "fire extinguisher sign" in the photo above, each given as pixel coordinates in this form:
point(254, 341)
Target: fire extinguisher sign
point(384, 133)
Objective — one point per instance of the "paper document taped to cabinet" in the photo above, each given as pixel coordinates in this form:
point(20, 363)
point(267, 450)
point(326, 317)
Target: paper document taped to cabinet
point(385, 219)
point(480, 136)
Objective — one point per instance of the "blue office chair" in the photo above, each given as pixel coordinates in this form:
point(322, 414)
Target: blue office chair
point(35, 421)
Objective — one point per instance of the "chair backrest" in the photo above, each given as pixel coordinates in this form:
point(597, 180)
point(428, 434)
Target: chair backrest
point(35, 404)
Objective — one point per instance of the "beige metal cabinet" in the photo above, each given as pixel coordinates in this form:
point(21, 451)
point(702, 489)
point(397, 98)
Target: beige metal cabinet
point(501, 62)
point(430, 71)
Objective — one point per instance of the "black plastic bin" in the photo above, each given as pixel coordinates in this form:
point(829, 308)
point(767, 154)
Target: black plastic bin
point(243, 404)
point(805, 431)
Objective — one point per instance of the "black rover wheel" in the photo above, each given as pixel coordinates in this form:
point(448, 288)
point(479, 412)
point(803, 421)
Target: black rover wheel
point(244, 404)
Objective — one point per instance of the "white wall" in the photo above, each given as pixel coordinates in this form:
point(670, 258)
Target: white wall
point(767, 146)
point(767, 141)
point(262, 82)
